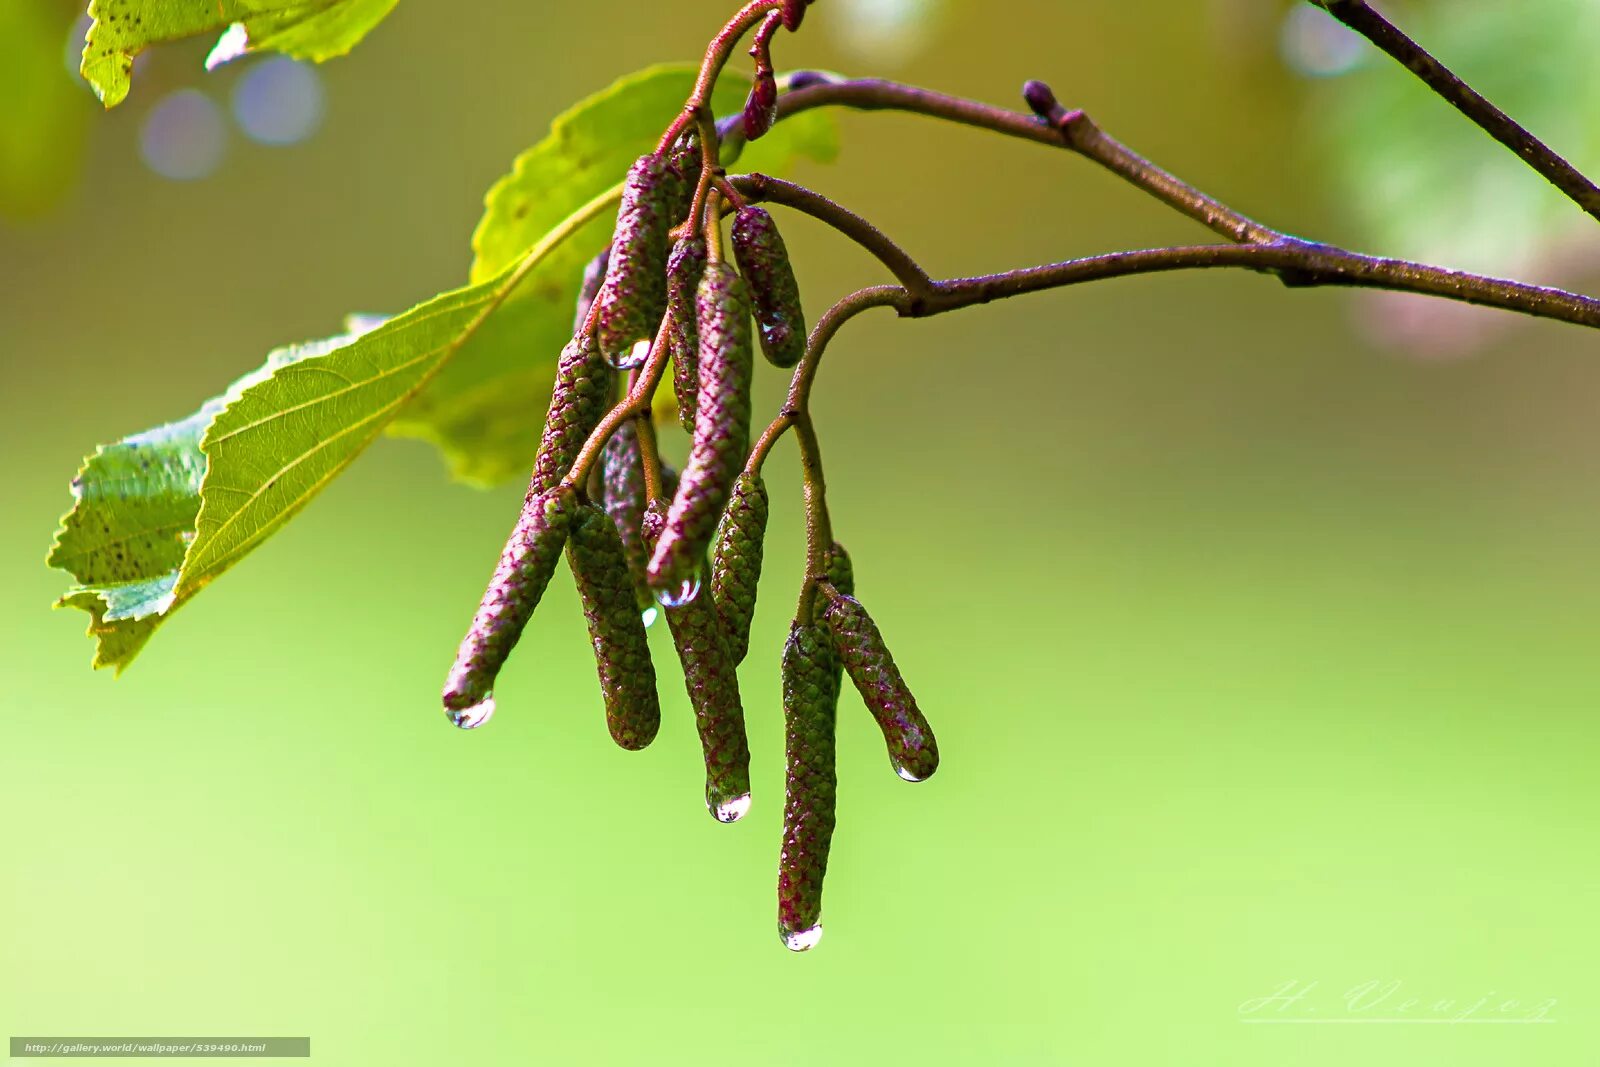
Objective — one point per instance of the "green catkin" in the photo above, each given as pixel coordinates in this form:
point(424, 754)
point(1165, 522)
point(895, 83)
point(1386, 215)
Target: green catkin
point(810, 703)
point(634, 294)
point(736, 561)
point(840, 574)
point(623, 497)
point(860, 647)
point(526, 564)
point(774, 293)
point(721, 428)
point(621, 650)
point(581, 394)
point(713, 688)
point(685, 266)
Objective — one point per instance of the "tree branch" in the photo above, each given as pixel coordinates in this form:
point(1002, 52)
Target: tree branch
point(1296, 261)
point(1362, 18)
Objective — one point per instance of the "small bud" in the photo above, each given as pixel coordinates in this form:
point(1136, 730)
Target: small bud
point(761, 106)
point(616, 629)
point(774, 293)
point(635, 290)
point(793, 11)
point(913, 752)
point(736, 562)
point(582, 391)
point(526, 564)
point(1040, 98)
point(685, 267)
point(804, 79)
point(721, 427)
point(810, 701)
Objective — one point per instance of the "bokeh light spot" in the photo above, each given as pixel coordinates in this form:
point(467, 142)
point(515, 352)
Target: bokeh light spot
point(278, 101)
point(1313, 43)
point(184, 137)
point(889, 32)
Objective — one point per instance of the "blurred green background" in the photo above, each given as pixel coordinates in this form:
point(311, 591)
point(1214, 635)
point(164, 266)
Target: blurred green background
point(1258, 626)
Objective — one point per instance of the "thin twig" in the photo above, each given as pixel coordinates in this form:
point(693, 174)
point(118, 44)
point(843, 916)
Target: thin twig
point(1071, 129)
point(1362, 18)
point(761, 187)
point(1262, 248)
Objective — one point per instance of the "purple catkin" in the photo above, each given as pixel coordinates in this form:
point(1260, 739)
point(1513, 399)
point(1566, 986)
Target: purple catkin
point(860, 647)
point(623, 496)
point(594, 276)
point(713, 687)
point(774, 293)
point(634, 294)
point(721, 428)
point(810, 701)
point(685, 266)
point(621, 649)
point(684, 164)
point(526, 564)
point(579, 398)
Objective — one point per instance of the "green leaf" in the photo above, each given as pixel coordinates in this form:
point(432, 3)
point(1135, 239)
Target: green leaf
point(304, 29)
point(162, 514)
point(125, 538)
point(477, 411)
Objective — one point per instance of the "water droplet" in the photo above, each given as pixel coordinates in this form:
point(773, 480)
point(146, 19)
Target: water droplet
point(278, 101)
point(635, 357)
point(732, 810)
point(905, 772)
point(682, 595)
point(183, 137)
point(801, 940)
point(475, 716)
point(651, 614)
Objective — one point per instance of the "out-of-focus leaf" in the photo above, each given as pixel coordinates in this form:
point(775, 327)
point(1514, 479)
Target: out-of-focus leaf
point(483, 410)
point(43, 114)
point(304, 29)
point(1425, 183)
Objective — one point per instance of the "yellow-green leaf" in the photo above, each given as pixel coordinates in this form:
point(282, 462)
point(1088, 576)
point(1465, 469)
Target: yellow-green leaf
point(304, 29)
